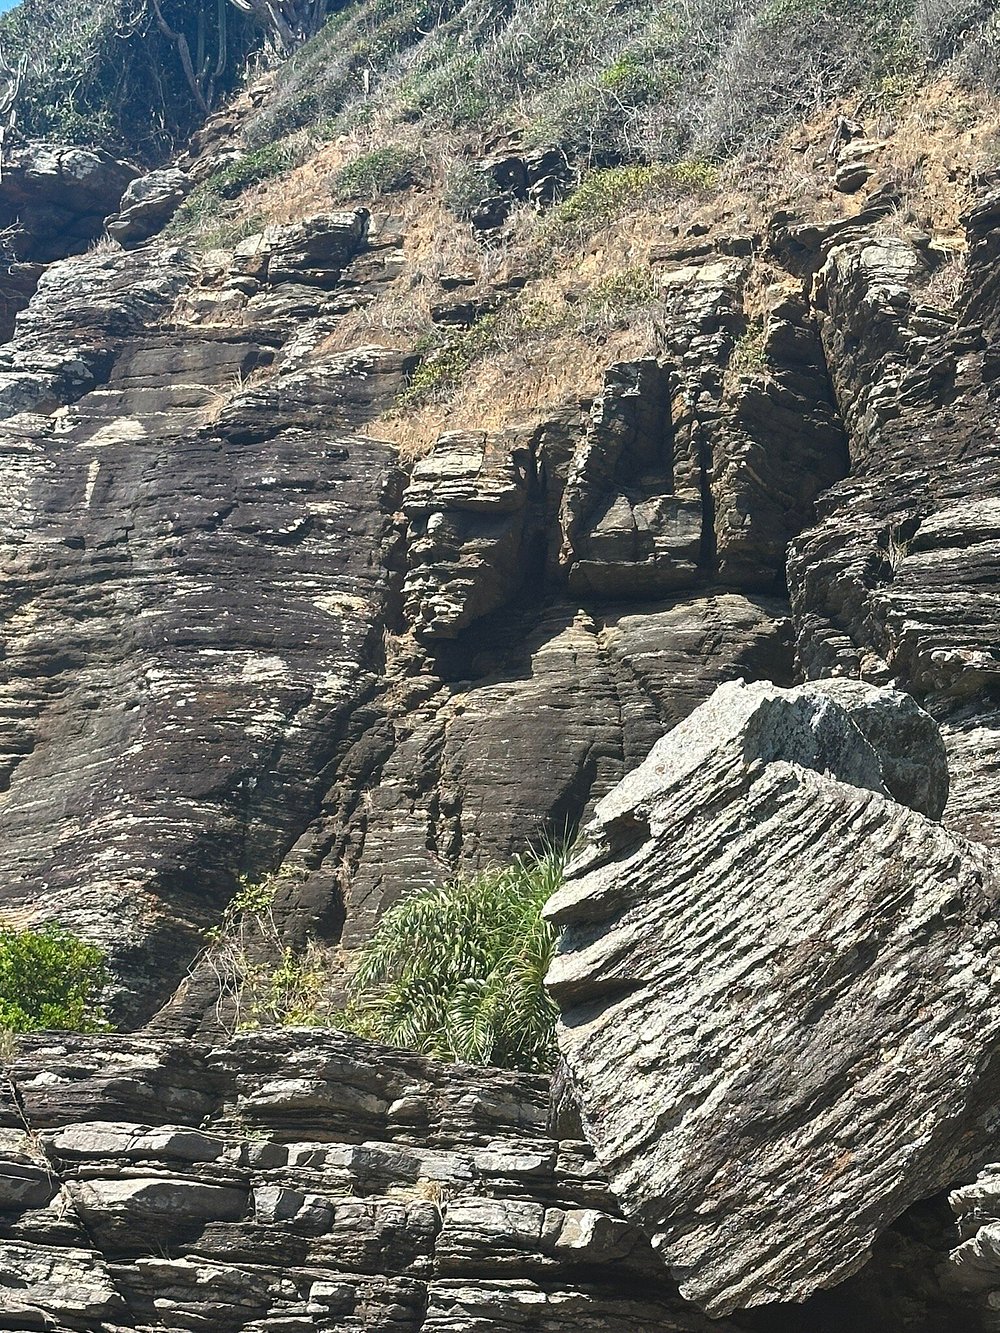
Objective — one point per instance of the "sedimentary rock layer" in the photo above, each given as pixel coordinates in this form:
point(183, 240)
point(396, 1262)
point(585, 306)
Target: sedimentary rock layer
point(304, 1180)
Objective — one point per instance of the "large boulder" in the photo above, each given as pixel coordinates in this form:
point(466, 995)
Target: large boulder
point(777, 987)
point(148, 205)
point(54, 197)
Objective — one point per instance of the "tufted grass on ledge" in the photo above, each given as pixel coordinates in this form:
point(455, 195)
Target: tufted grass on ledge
point(457, 971)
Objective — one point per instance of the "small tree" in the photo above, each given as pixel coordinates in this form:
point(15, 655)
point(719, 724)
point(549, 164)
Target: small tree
point(50, 979)
point(287, 23)
point(457, 971)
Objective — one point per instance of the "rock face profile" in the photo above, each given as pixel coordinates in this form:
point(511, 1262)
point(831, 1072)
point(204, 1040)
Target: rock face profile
point(776, 977)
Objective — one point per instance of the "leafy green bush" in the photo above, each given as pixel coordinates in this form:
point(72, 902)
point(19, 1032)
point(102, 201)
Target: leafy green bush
point(465, 188)
point(352, 50)
point(252, 168)
point(456, 971)
point(394, 167)
point(205, 216)
point(749, 353)
point(616, 299)
point(50, 979)
point(447, 355)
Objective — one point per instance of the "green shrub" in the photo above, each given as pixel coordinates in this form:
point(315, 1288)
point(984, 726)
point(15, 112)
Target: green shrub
point(457, 971)
point(357, 44)
point(261, 981)
point(603, 196)
point(101, 72)
point(749, 353)
point(615, 300)
point(465, 188)
point(205, 214)
point(447, 355)
point(251, 169)
point(383, 171)
point(50, 979)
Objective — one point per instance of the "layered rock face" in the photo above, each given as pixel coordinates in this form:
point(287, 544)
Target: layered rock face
point(194, 600)
point(239, 633)
point(235, 628)
point(303, 1180)
point(898, 578)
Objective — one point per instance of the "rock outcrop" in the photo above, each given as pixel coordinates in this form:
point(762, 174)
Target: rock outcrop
point(161, 583)
point(776, 980)
point(241, 632)
point(54, 197)
point(304, 1180)
point(148, 205)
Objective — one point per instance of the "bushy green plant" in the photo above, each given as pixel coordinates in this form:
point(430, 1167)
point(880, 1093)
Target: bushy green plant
point(604, 195)
point(251, 169)
point(262, 982)
point(383, 171)
point(749, 353)
point(50, 978)
point(346, 58)
point(206, 216)
point(465, 188)
point(103, 72)
point(447, 355)
point(616, 299)
point(457, 971)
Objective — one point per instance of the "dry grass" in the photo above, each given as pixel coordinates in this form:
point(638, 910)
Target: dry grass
point(926, 147)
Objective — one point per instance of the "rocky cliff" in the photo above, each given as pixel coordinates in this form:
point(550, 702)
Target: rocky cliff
point(243, 629)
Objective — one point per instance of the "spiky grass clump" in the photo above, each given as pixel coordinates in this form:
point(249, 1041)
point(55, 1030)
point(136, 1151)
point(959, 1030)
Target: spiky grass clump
point(457, 971)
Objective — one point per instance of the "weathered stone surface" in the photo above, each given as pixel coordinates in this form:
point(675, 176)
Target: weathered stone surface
point(55, 197)
point(148, 205)
point(549, 726)
point(311, 252)
point(466, 504)
point(777, 989)
point(628, 527)
point(897, 579)
point(334, 1185)
point(193, 596)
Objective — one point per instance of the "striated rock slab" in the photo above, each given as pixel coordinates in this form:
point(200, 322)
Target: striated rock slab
point(778, 987)
point(897, 579)
point(194, 583)
point(148, 205)
point(466, 505)
point(552, 722)
point(974, 1263)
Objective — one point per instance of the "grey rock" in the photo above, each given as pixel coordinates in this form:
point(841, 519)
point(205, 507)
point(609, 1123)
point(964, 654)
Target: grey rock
point(895, 579)
point(148, 205)
point(55, 197)
point(430, 1196)
point(466, 505)
point(775, 994)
